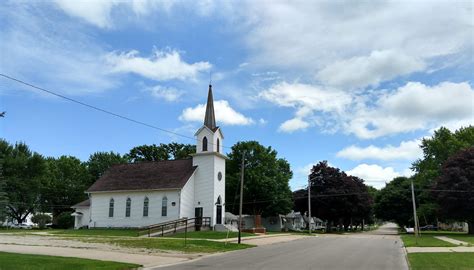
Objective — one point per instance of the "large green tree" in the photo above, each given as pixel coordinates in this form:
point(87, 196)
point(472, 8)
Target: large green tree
point(394, 203)
point(454, 188)
point(160, 152)
point(99, 162)
point(266, 188)
point(64, 184)
point(336, 197)
point(436, 150)
point(22, 171)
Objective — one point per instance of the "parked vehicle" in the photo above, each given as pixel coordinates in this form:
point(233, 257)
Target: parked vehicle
point(429, 228)
point(21, 226)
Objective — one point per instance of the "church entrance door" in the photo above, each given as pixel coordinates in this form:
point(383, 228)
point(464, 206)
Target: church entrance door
point(198, 216)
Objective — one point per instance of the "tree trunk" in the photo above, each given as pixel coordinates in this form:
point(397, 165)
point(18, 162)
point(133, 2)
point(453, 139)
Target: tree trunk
point(470, 225)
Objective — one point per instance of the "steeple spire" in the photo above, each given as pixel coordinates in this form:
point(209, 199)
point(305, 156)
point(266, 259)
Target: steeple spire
point(210, 118)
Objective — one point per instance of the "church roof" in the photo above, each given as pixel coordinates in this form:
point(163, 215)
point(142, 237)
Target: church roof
point(210, 118)
point(168, 174)
point(85, 203)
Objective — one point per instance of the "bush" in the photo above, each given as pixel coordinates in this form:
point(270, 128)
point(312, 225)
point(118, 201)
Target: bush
point(65, 220)
point(41, 220)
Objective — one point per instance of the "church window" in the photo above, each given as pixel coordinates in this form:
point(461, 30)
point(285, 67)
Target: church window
point(218, 145)
point(164, 207)
point(111, 208)
point(204, 144)
point(145, 207)
point(128, 205)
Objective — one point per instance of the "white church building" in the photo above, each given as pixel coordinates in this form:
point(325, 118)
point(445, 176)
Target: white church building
point(147, 193)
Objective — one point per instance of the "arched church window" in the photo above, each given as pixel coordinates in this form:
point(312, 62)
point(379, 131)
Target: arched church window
point(204, 144)
point(145, 207)
point(128, 205)
point(218, 145)
point(111, 208)
point(219, 200)
point(164, 207)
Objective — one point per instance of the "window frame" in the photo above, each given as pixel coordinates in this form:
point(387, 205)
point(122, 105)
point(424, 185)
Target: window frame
point(111, 207)
point(128, 207)
point(204, 144)
point(146, 203)
point(164, 206)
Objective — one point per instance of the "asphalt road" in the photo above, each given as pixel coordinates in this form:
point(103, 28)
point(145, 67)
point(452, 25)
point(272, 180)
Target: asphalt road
point(378, 250)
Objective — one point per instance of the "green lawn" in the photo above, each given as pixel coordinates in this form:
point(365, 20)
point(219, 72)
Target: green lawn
point(463, 237)
point(211, 235)
point(192, 246)
point(441, 261)
point(97, 232)
point(38, 262)
point(424, 241)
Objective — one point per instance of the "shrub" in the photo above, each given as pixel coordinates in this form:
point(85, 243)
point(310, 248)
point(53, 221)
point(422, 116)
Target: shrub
point(41, 220)
point(65, 220)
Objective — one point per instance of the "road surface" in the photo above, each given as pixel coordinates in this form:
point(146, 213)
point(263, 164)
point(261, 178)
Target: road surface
point(378, 250)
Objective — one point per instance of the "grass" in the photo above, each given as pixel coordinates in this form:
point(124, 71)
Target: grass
point(424, 241)
point(25, 262)
point(427, 239)
point(211, 235)
point(97, 232)
point(192, 246)
point(463, 237)
point(441, 261)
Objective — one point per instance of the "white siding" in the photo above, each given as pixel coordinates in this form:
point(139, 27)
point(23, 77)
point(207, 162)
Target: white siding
point(204, 184)
point(80, 221)
point(100, 208)
point(219, 188)
point(187, 199)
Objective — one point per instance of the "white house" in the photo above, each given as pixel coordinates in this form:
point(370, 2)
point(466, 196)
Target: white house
point(146, 193)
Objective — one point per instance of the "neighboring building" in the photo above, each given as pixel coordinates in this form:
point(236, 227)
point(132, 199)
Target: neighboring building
point(146, 193)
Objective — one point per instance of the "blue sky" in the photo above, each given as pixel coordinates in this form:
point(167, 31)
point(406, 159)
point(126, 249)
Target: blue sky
point(355, 84)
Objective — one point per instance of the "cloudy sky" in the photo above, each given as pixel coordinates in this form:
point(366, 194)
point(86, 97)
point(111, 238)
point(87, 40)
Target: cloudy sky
point(355, 83)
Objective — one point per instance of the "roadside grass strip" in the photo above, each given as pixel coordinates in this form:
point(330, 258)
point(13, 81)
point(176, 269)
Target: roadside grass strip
point(96, 232)
point(210, 235)
point(192, 246)
point(441, 261)
point(424, 241)
point(40, 262)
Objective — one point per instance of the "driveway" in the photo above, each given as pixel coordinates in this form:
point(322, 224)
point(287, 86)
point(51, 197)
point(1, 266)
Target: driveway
point(381, 249)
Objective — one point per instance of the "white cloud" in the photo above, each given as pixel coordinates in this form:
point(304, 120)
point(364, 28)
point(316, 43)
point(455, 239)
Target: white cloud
point(375, 175)
point(407, 150)
point(162, 65)
point(307, 100)
point(106, 13)
point(224, 114)
point(309, 36)
point(415, 106)
point(361, 71)
point(166, 93)
point(292, 125)
point(40, 50)
point(101, 12)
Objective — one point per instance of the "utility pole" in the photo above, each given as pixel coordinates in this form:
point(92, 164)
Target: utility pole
point(309, 204)
point(414, 211)
point(241, 193)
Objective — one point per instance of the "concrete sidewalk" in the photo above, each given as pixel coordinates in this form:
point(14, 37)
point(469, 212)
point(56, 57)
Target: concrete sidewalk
point(452, 241)
point(438, 249)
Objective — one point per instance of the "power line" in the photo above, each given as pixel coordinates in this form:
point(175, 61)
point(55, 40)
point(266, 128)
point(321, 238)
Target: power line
point(99, 109)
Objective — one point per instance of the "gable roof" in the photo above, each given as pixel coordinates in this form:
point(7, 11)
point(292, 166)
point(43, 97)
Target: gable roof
point(168, 174)
point(85, 203)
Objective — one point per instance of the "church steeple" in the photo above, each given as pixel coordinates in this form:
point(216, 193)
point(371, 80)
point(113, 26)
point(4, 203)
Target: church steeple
point(210, 118)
